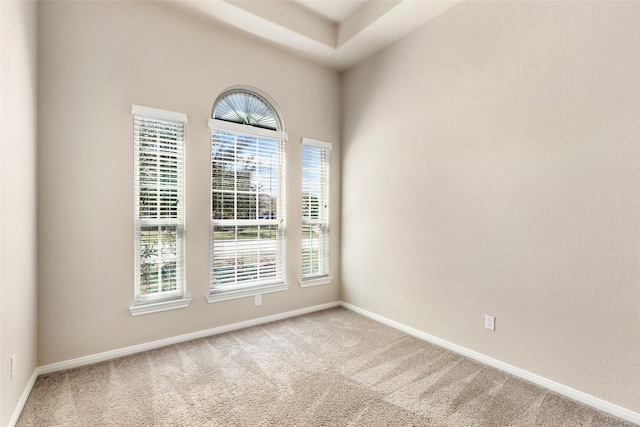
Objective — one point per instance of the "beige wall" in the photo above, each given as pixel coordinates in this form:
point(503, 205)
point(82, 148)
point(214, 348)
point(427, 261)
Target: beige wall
point(98, 58)
point(18, 315)
point(513, 127)
point(491, 165)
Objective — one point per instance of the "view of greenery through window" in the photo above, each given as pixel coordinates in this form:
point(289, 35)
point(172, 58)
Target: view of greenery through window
point(158, 252)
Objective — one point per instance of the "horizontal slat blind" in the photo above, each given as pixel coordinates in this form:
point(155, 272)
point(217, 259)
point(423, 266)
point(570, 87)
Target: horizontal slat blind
point(247, 228)
point(159, 207)
point(315, 208)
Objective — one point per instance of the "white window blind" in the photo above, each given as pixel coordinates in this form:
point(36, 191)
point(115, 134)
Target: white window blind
point(159, 204)
point(315, 208)
point(247, 211)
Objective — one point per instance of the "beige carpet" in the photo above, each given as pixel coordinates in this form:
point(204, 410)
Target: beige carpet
point(331, 368)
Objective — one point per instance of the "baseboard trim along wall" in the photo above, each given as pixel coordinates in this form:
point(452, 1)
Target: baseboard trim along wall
point(23, 398)
point(521, 373)
point(579, 396)
point(108, 355)
point(113, 354)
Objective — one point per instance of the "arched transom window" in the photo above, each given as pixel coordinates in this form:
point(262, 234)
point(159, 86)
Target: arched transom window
point(247, 106)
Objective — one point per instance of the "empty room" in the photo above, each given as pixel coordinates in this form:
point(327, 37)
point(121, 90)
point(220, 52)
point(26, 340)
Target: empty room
point(320, 213)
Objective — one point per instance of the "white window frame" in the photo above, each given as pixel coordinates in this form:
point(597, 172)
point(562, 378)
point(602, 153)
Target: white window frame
point(321, 186)
point(244, 289)
point(160, 300)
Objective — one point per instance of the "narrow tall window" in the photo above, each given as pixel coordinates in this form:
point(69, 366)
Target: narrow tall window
point(159, 205)
point(315, 212)
point(247, 196)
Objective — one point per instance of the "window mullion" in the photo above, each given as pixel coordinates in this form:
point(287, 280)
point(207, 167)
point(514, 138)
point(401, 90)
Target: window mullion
point(160, 261)
point(158, 187)
point(235, 178)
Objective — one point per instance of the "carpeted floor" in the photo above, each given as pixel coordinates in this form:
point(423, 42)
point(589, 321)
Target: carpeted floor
point(331, 368)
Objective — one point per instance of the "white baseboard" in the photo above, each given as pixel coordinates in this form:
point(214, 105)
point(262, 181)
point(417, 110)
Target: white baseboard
point(23, 398)
point(579, 396)
point(113, 354)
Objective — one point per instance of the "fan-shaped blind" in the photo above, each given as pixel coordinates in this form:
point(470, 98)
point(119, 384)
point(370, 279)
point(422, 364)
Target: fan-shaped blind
point(247, 109)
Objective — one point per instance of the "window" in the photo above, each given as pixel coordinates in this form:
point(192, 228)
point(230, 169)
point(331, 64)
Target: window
point(158, 209)
point(247, 254)
point(315, 212)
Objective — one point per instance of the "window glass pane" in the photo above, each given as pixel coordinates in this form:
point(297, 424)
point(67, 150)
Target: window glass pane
point(223, 205)
point(148, 244)
point(244, 253)
point(169, 281)
point(246, 205)
point(224, 176)
point(158, 253)
point(148, 202)
point(167, 240)
point(266, 206)
point(168, 203)
point(310, 250)
point(148, 278)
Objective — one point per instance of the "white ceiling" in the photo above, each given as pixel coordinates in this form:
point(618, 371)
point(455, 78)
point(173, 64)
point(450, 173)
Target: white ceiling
point(336, 33)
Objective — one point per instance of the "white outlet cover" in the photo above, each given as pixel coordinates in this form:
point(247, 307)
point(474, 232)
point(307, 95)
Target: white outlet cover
point(258, 299)
point(490, 322)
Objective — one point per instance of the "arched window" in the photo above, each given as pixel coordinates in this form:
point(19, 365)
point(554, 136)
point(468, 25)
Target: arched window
point(247, 253)
point(248, 106)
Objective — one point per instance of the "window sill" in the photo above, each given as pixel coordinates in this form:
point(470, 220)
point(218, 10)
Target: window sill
point(139, 310)
point(246, 292)
point(315, 281)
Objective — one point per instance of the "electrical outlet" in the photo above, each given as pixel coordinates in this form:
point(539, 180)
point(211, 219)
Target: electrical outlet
point(490, 322)
point(258, 299)
point(13, 366)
